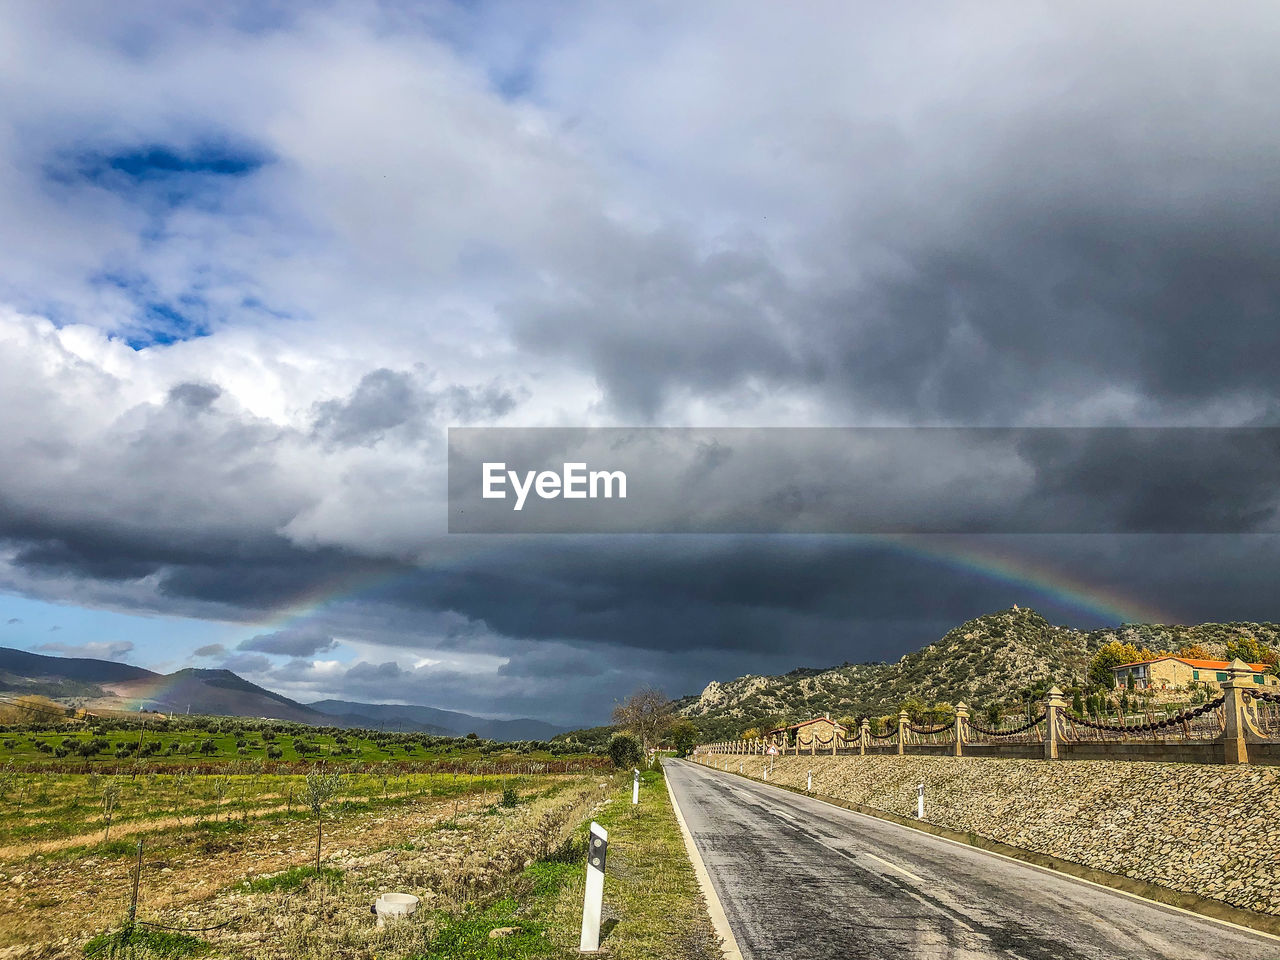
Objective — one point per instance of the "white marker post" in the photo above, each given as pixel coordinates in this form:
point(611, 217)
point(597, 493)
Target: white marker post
point(597, 849)
point(635, 787)
point(920, 802)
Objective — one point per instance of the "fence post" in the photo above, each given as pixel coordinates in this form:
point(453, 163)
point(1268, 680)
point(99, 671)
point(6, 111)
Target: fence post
point(962, 714)
point(813, 744)
point(1053, 705)
point(866, 733)
point(903, 719)
point(137, 879)
point(1233, 743)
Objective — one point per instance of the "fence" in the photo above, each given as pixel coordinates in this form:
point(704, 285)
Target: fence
point(1240, 726)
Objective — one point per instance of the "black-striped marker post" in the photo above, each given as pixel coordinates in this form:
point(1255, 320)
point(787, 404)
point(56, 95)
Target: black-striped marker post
point(593, 900)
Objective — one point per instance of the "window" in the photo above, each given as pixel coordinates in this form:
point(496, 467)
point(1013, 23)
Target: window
point(1221, 675)
point(1195, 674)
point(1257, 678)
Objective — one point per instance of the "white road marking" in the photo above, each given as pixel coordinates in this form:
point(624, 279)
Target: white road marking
point(893, 866)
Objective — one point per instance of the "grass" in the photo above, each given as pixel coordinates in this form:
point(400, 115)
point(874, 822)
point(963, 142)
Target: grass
point(295, 879)
point(653, 907)
point(37, 807)
point(468, 936)
point(139, 942)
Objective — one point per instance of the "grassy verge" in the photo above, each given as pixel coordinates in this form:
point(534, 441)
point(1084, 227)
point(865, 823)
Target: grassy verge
point(653, 908)
point(139, 943)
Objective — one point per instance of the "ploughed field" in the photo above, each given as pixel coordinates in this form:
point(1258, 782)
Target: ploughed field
point(228, 859)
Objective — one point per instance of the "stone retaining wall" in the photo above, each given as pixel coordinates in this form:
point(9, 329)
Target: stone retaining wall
point(1211, 830)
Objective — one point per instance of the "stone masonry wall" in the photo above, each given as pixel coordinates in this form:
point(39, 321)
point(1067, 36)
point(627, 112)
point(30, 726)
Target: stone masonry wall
point(1206, 829)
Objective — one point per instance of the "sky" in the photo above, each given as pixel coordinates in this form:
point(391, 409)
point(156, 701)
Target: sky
point(256, 258)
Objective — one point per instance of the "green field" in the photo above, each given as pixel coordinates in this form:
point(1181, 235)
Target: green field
point(38, 808)
point(257, 744)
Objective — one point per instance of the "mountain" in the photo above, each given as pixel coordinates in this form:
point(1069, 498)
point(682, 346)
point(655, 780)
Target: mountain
point(393, 716)
point(27, 673)
point(207, 692)
point(104, 685)
point(992, 657)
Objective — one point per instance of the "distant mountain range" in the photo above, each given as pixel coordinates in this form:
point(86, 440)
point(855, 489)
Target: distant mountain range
point(992, 657)
point(104, 685)
point(396, 716)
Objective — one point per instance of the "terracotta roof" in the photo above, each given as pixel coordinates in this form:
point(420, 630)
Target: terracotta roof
point(1198, 664)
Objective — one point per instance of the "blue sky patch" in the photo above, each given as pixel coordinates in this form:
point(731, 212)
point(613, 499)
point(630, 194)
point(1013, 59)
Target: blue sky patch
point(161, 324)
point(158, 172)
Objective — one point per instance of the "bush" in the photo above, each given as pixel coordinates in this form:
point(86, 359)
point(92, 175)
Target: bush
point(624, 750)
point(509, 797)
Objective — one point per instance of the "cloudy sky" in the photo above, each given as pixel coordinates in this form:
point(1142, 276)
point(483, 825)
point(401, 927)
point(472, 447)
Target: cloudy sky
point(256, 258)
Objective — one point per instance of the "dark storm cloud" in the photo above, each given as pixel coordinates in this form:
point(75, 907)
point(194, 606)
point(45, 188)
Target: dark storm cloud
point(657, 316)
point(294, 642)
point(1088, 210)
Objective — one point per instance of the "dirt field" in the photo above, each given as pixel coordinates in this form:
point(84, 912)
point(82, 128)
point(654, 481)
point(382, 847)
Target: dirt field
point(203, 869)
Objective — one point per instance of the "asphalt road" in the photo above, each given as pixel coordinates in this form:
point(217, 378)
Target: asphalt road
point(803, 880)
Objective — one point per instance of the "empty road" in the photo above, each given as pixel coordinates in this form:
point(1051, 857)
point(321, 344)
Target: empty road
point(803, 880)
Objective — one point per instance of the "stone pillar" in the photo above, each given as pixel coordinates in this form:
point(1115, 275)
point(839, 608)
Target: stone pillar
point(1233, 742)
point(834, 742)
point(903, 719)
point(1053, 706)
point(962, 715)
point(813, 744)
point(866, 735)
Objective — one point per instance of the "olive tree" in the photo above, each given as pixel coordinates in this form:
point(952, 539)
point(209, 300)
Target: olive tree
point(320, 788)
point(647, 714)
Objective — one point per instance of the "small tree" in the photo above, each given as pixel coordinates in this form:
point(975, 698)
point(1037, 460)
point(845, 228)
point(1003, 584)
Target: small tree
point(624, 750)
point(647, 714)
point(110, 794)
point(320, 789)
point(684, 737)
point(220, 787)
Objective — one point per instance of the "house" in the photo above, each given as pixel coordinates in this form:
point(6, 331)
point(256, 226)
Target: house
point(803, 734)
point(1164, 673)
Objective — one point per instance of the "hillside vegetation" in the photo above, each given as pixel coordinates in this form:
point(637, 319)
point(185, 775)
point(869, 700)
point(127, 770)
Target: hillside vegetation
point(1000, 658)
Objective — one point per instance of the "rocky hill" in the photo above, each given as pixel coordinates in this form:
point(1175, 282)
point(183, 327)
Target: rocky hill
point(997, 657)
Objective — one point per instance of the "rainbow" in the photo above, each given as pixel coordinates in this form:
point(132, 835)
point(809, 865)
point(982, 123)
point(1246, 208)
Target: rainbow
point(1036, 581)
point(1047, 581)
